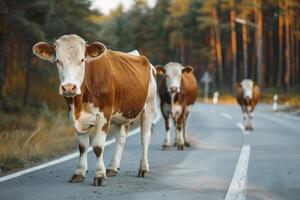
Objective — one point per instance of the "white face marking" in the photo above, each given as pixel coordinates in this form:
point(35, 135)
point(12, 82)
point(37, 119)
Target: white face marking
point(70, 60)
point(247, 86)
point(173, 76)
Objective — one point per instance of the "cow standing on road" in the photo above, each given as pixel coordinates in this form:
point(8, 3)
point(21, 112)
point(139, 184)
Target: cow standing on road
point(103, 88)
point(248, 95)
point(178, 91)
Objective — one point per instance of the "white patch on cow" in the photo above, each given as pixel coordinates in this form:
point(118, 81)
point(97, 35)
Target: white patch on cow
point(87, 118)
point(147, 117)
point(70, 60)
point(189, 108)
point(120, 141)
point(173, 76)
point(83, 141)
point(176, 110)
point(134, 52)
point(247, 86)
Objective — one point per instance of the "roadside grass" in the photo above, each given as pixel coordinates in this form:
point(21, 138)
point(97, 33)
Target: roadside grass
point(27, 139)
point(32, 137)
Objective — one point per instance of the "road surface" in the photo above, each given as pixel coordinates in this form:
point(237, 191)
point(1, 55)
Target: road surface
point(224, 162)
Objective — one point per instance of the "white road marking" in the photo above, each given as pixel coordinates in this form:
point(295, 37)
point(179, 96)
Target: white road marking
point(241, 126)
point(238, 184)
point(70, 156)
point(225, 115)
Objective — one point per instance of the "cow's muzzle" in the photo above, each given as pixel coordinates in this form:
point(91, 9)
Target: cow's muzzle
point(69, 90)
point(247, 99)
point(174, 89)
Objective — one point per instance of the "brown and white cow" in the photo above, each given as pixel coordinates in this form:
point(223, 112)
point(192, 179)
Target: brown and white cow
point(248, 95)
point(103, 88)
point(178, 91)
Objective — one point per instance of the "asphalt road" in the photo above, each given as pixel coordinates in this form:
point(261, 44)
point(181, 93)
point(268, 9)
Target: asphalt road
point(224, 162)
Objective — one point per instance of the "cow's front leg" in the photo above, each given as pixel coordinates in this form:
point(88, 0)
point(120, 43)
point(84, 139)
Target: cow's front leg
point(179, 136)
point(168, 125)
point(250, 116)
point(83, 142)
point(98, 144)
point(179, 131)
point(115, 162)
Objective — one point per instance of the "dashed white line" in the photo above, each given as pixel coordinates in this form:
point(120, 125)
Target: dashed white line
point(241, 126)
point(225, 115)
point(238, 186)
point(67, 157)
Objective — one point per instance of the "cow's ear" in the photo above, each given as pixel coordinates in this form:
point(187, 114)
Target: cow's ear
point(160, 70)
point(238, 85)
point(187, 69)
point(256, 84)
point(94, 50)
point(44, 51)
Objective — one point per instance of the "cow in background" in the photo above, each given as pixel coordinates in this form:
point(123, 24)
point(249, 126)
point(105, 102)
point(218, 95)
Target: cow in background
point(178, 91)
point(248, 95)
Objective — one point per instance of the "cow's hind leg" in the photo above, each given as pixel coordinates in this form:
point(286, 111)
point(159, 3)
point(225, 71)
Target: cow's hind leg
point(186, 142)
point(98, 144)
point(115, 162)
point(83, 142)
point(146, 123)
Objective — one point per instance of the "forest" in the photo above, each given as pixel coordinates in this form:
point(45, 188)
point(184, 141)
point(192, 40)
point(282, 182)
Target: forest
point(231, 39)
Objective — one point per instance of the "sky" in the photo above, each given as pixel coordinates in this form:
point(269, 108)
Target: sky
point(105, 6)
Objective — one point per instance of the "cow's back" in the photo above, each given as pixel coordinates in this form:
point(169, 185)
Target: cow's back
point(189, 87)
point(131, 81)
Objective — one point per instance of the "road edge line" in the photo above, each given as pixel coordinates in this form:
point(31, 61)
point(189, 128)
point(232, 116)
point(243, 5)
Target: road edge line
point(237, 188)
point(68, 157)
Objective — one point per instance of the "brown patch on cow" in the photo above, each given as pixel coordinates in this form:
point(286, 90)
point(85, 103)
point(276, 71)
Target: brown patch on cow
point(81, 149)
point(98, 151)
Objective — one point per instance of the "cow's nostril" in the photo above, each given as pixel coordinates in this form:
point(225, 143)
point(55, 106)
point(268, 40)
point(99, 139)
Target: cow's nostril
point(74, 88)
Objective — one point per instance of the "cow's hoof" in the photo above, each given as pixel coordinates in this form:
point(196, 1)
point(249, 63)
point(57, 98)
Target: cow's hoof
point(187, 144)
point(180, 147)
point(111, 172)
point(100, 181)
point(165, 147)
point(143, 173)
point(77, 178)
point(250, 128)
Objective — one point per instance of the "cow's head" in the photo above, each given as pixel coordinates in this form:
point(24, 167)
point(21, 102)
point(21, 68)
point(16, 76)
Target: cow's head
point(69, 53)
point(173, 73)
point(247, 86)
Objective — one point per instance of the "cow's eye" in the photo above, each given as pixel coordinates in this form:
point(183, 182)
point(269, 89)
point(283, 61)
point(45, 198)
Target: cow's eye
point(82, 60)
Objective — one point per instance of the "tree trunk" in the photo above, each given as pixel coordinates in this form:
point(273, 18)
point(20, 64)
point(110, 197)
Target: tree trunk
point(287, 50)
point(218, 47)
point(28, 78)
point(233, 44)
point(2, 66)
point(245, 49)
point(182, 50)
point(259, 44)
point(280, 50)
